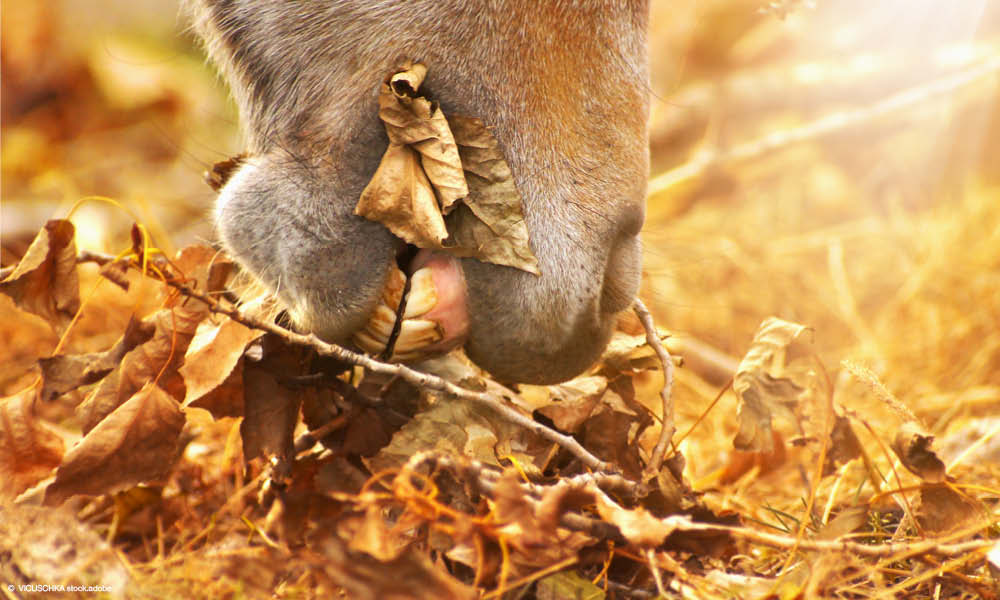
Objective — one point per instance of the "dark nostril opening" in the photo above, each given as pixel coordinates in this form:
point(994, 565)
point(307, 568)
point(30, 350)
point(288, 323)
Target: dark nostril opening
point(622, 275)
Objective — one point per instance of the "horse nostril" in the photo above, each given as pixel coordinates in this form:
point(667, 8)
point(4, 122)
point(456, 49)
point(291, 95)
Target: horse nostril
point(621, 276)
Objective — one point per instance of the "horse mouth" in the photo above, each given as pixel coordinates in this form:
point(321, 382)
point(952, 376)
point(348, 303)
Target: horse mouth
point(422, 311)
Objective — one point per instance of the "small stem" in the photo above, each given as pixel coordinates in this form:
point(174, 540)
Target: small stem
point(667, 426)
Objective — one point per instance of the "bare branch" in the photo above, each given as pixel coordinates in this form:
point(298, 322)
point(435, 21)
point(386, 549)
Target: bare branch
point(411, 376)
point(667, 427)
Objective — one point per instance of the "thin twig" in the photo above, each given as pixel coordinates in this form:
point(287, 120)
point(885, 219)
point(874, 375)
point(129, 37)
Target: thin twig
point(667, 426)
point(897, 550)
point(411, 376)
point(655, 569)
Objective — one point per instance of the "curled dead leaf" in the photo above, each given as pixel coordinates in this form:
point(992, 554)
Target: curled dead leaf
point(844, 445)
point(763, 383)
point(66, 372)
point(443, 182)
point(913, 447)
point(155, 360)
point(45, 282)
point(489, 225)
point(570, 404)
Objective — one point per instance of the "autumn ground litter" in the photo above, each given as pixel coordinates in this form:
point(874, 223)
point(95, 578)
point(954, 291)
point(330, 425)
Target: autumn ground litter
point(822, 251)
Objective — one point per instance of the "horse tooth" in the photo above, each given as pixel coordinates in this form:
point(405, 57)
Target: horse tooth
point(417, 333)
point(367, 343)
point(392, 292)
point(423, 295)
point(381, 323)
point(407, 356)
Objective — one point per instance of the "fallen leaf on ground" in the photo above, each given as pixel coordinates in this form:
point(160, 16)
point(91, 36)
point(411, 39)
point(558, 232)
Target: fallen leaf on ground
point(763, 384)
point(638, 526)
point(568, 404)
point(844, 445)
point(270, 414)
point(212, 370)
point(66, 372)
point(137, 442)
point(28, 450)
point(465, 429)
point(944, 510)
point(45, 282)
point(156, 360)
point(629, 354)
point(411, 575)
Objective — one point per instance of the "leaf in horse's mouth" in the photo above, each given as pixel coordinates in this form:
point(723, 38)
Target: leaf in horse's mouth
point(443, 182)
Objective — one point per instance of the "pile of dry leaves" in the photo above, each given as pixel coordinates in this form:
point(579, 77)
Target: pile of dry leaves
point(192, 459)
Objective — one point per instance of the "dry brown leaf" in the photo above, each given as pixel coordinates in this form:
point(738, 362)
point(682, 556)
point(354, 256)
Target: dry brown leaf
point(371, 533)
point(741, 462)
point(763, 383)
point(913, 447)
point(420, 176)
point(944, 510)
point(613, 430)
point(137, 442)
point(568, 585)
point(225, 399)
point(45, 282)
point(464, 429)
point(28, 450)
point(629, 354)
point(430, 165)
point(489, 225)
point(156, 360)
point(159, 358)
point(400, 197)
point(212, 370)
point(205, 268)
point(844, 445)
point(270, 414)
point(570, 404)
point(638, 526)
point(410, 576)
point(66, 372)
point(413, 120)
